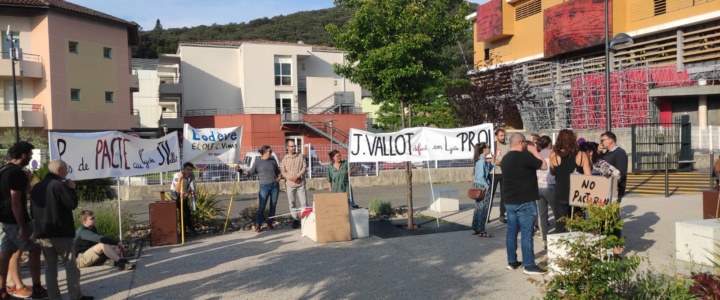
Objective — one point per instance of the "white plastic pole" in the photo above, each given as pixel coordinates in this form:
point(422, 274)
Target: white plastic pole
point(432, 194)
point(119, 209)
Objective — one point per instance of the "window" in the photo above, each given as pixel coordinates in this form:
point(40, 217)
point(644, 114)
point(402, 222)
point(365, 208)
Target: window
point(73, 47)
point(109, 97)
point(487, 54)
point(107, 52)
point(659, 7)
point(6, 44)
point(529, 9)
point(282, 104)
point(75, 94)
point(283, 71)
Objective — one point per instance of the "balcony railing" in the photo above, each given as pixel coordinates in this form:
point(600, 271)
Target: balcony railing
point(171, 115)
point(264, 110)
point(169, 80)
point(135, 112)
point(8, 106)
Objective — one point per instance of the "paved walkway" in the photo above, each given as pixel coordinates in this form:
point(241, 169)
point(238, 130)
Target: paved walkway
point(281, 264)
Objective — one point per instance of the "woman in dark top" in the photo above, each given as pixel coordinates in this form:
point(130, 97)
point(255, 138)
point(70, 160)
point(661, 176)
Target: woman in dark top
point(565, 159)
point(269, 176)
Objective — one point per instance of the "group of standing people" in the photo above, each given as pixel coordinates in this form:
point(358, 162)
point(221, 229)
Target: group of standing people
point(535, 176)
point(293, 169)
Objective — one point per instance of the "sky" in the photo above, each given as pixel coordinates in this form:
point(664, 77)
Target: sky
point(189, 13)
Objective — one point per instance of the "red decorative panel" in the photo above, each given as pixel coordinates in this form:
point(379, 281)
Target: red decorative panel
point(489, 20)
point(574, 25)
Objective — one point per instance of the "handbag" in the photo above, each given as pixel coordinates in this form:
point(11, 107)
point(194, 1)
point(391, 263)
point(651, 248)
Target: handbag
point(476, 194)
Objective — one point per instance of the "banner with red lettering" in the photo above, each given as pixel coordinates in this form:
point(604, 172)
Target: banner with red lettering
point(418, 144)
point(105, 154)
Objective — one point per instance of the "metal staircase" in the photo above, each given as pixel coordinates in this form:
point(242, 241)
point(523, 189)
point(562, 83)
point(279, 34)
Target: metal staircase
point(323, 128)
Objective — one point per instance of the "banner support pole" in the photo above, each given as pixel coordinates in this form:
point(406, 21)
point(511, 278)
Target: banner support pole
point(432, 194)
point(230, 205)
point(119, 208)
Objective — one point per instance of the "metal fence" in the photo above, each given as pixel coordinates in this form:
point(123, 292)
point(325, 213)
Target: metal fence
point(317, 157)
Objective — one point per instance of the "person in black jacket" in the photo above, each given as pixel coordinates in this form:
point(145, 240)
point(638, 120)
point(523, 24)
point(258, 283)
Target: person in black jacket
point(53, 200)
point(94, 249)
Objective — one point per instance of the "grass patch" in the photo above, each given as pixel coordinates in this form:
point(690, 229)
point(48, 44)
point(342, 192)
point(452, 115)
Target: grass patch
point(106, 215)
point(378, 207)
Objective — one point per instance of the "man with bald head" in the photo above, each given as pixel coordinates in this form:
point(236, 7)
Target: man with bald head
point(520, 188)
point(53, 200)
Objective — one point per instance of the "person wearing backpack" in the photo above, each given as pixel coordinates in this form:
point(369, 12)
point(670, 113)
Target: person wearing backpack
point(15, 219)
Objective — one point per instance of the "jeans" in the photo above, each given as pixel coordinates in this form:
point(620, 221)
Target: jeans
point(267, 190)
point(64, 248)
point(521, 218)
point(296, 193)
point(481, 212)
point(546, 195)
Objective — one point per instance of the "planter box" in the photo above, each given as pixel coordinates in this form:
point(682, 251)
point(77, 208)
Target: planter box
point(695, 240)
point(557, 250)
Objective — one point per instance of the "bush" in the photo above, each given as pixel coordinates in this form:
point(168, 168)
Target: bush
point(250, 212)
point(652, 285)
point(588, 271)
point(94, 189)
point(106, 215)
point(378, 207)
point(40, 173)
point(207, 206)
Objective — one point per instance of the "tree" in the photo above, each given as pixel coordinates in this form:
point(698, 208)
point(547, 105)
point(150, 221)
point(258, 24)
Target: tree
point(7, 138)
point(394, 49)
point(158, 26)
point(493, 96)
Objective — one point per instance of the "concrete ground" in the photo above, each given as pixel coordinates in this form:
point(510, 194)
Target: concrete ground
point(281, 264)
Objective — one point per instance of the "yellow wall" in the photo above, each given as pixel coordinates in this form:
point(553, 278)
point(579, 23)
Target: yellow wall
point(628, 16)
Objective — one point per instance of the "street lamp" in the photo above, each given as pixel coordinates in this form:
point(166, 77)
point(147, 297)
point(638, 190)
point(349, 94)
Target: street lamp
point(621, 40)
point(15, 55)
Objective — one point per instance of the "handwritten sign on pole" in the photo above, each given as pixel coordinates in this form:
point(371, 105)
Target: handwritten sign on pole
point(598, 190)
point(418, 144)
point(105, 154)
point(211, 145)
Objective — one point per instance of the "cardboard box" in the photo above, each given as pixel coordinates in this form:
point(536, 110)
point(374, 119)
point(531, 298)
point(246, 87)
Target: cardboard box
point(594, 189)
point(330, 219)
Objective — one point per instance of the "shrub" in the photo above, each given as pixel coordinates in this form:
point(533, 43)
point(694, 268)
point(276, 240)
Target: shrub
point(40, 173)
point(106, 215)
point(207, 206)
point(588, 271)
point(378, 207)
point(706, 286)
point(94, 189)
point(653, 285)
point(250, 212)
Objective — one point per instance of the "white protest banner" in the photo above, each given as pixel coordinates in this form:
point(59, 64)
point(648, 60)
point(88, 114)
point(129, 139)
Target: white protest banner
point(112, 154)
point(211, 145)
point(595, 189)
point(418, 144)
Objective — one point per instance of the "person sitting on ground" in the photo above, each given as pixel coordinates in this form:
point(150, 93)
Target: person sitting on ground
point(92, 249)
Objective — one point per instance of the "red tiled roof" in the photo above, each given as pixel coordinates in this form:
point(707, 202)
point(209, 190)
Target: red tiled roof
point(67, 6)
point(235, 43)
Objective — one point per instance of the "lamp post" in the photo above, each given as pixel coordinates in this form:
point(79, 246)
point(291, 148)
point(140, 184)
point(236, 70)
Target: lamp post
point(14, 57)
point(621, 40)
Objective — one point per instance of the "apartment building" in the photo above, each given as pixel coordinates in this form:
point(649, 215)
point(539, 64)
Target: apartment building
point(672, 67)
point(74, 70)
point(277, 91)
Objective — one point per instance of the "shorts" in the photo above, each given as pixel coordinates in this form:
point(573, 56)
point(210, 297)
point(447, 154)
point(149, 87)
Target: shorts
point(90, 258)
point(10, 238)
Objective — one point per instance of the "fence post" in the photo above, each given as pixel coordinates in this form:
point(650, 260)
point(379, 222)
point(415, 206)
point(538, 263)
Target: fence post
point(162, 174)
point(633, 148)
point(667, 177)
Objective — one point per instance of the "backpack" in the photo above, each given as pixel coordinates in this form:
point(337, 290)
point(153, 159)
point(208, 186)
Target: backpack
point(2, 201)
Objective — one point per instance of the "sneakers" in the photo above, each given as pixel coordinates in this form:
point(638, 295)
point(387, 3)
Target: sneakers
point(39, 292)
point(503, 220)
point(257, 228)
point(514, 266)
point(24, 292)
point(534, 270)
point(295, 224)
point(124, 265)
point(270, 226)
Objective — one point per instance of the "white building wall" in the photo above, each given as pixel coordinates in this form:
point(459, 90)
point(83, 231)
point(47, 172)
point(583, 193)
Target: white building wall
point(210, 78)
point(147, 99)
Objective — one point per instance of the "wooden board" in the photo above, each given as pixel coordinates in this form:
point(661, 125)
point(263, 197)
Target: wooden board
point(163, 223)
point(332, 217)
point(590, 188)
point(710, 203)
